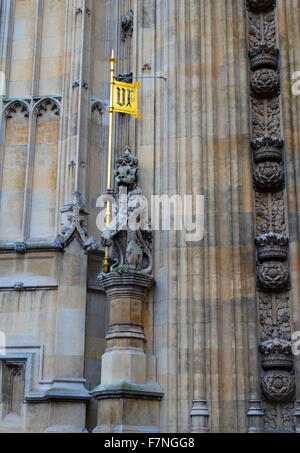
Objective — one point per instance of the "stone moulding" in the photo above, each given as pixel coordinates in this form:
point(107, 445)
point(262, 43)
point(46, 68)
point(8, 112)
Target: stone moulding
point(125, 389)
point(115, 281)
point(65, 390)
point(26, 247)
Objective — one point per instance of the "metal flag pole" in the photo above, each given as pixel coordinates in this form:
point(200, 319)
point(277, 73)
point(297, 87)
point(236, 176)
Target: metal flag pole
point(112, 61)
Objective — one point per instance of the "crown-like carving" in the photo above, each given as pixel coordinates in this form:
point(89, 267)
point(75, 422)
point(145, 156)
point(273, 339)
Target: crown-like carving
point(264, 55)
point(272, 246)
point(259, 6)
point(277, 353)
point(126, 169)
point(267, 148)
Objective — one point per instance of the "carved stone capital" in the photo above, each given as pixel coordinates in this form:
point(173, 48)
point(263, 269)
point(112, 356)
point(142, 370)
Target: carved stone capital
point(278, 385)
point(272, 246)
point(273, 276)
point(265, 83)
point(127, 284)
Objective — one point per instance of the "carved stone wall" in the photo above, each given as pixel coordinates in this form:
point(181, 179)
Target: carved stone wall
point(273, 278)
point(218, 323)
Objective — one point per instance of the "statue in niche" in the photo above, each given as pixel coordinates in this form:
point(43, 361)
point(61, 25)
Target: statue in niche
point(129, 235)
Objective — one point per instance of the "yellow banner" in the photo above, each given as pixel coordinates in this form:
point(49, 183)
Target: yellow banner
point(126, 98)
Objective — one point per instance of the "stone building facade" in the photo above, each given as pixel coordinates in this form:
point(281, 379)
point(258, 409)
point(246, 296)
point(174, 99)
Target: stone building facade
point(203, 341)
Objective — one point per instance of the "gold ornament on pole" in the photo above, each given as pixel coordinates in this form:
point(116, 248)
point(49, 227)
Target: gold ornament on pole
point(112, 61)
point(123, 99)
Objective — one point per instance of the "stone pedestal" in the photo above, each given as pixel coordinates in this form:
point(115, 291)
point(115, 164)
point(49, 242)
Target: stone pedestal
point(127, 401)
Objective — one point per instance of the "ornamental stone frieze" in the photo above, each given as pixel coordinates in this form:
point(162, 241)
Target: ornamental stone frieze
point(273, 280)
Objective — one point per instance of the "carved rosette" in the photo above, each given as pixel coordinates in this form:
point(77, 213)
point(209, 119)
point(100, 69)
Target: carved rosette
point(269, 176)
point(265, 83)
point(278, 385)
point(273, 276)
point(259, 6)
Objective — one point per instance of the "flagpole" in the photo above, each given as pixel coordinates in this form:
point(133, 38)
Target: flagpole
point(112, 61)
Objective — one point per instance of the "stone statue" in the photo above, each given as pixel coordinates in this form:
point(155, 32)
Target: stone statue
point(130, 248)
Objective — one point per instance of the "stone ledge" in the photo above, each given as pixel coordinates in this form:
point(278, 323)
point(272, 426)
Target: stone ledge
point(66, 390)
point(126, 389)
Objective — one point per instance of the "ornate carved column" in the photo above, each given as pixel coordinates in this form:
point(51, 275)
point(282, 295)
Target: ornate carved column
point(277, 378)
point(128, 402)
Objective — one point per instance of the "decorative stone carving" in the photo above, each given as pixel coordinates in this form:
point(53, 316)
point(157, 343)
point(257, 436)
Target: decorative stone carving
point(20, 248)
point(267, 148)
point(75, 225)
point(13, 384)
point(278, 385)
point(260, 6)
point(265, 83)
point(48, 105)
point(273, 276)
point(17, 107)
point(19, 287)
point(264, 55)
point(277, 353)
point(272, 246)
point(130, 249)
point(127, 25)
point(269, 176)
